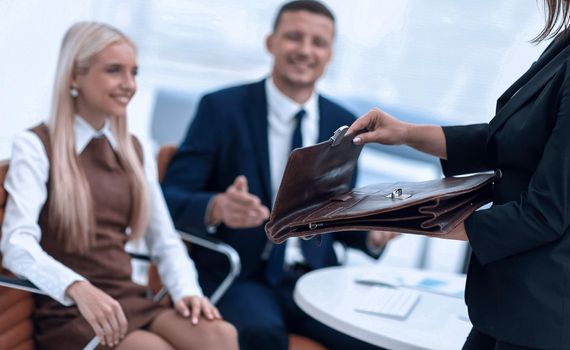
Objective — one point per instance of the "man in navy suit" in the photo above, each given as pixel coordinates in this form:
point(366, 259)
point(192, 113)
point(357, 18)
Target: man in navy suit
point(225, 175)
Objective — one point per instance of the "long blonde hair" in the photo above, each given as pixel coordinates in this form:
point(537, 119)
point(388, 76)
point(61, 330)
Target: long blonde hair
point(71, 202)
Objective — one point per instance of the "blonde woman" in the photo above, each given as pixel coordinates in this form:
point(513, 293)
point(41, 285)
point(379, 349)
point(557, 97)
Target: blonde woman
point(79, 189)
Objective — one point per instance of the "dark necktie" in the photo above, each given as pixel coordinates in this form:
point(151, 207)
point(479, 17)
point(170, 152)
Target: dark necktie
point(311, 249)
point(274, 269)
point(297, 141)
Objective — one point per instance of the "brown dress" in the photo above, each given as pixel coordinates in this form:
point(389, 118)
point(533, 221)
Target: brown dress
point(106, 265)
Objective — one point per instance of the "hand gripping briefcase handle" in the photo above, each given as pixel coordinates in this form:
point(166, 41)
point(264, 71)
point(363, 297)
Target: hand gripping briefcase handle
point(315, 197)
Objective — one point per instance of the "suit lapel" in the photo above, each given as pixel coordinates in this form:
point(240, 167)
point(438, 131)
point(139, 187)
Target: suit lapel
point(326, 126)
point(257, 117)
point(527, 85)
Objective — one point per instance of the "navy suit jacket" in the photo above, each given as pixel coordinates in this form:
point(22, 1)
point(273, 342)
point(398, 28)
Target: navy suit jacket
point(519, 276)
point(227, 138)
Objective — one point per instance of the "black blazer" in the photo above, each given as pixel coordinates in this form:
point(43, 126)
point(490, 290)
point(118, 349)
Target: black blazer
point(518, 283)
point(227, 138)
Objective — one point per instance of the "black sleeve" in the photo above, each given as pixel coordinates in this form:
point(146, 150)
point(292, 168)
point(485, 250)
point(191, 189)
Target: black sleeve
point(466, 149)
point(542, 214)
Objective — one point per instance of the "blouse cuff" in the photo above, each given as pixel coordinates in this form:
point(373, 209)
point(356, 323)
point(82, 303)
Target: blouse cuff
point(179, 292)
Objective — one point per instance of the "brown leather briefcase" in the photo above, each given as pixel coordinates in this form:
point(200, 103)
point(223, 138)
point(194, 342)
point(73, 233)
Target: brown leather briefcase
point(315, 197)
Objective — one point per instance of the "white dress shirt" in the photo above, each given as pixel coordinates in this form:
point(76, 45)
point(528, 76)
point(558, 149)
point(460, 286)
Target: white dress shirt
point(282, 122)
point(26, 183)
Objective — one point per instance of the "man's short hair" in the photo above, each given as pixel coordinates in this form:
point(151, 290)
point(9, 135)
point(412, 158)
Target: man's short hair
point(311, 6)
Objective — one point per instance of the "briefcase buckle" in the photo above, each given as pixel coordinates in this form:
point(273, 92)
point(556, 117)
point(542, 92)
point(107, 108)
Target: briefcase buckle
point(398, 194)
point(338, 135)
point(314, 226)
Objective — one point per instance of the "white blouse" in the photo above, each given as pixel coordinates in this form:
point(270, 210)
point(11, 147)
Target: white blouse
point(26, 184)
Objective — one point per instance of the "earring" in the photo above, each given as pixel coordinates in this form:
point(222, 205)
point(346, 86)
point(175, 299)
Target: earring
point(73, 92)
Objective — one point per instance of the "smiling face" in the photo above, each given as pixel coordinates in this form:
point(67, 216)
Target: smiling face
point(108, 85)
point(301, 47)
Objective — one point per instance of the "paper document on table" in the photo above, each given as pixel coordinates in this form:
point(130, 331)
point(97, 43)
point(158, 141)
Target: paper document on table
point(389, 302)
point(454, 287)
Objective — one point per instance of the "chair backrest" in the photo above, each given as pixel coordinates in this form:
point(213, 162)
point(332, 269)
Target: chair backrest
point(16, 307)
point(164, 157)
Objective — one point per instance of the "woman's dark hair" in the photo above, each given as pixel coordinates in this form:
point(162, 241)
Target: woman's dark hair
point(311, 6)
point(556, 13)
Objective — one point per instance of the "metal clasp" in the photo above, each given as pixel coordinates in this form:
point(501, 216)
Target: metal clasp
point(314, 226)
point(398, 193)
point(338, 135)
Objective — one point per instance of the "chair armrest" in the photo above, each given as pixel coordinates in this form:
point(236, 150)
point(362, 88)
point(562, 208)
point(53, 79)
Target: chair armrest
point(219, 247)
point(19, 283)
point(138, 256)
point(222, 248)
point(25, 285)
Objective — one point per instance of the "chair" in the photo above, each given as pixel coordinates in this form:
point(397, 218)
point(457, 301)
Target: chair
point(16, 304)
point(296, 342)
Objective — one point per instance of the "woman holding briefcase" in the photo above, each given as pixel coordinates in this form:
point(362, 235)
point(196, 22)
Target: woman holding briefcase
point(518, 283)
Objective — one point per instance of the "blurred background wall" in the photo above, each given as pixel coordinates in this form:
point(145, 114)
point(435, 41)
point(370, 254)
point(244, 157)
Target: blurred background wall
point(443, 61)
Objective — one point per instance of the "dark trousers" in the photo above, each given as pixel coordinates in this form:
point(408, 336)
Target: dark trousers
point(264, 316)
point(479, 341)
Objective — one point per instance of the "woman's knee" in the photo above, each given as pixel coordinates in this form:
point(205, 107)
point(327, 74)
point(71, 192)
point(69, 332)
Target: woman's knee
point(141, 339)
point(180, 332)
point(220, 331)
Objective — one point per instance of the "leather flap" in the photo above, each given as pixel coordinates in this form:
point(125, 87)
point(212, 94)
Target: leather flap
point(313, 175)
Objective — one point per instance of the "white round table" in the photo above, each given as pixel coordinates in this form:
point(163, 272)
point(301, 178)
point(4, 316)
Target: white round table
point(437, 322)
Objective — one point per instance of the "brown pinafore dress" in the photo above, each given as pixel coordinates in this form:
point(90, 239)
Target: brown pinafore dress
point(106, 265)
